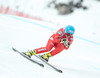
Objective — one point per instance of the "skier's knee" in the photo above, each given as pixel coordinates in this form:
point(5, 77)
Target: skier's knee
point(48, 49)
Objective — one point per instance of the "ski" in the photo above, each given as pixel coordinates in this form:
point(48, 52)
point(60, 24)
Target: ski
point(58, 70)
point(28, 57)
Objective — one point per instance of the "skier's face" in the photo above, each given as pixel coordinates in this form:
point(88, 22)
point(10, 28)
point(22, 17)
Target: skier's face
point(68, 35)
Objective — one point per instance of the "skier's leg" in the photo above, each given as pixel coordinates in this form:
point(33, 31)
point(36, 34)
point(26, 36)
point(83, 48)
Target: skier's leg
point(48, 47)
point(59, 47)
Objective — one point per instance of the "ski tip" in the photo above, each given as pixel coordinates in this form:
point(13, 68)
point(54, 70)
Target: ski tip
point(42, 65)
point(14, 49)
point(60, 71)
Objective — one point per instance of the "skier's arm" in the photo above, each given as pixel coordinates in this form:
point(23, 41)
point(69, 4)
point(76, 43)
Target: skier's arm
point(57, 37)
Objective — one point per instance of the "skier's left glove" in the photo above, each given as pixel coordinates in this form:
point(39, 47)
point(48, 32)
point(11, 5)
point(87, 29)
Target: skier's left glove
point(66, 42)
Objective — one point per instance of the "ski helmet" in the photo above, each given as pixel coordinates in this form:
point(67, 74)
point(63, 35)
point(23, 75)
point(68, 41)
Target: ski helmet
point(70, 29)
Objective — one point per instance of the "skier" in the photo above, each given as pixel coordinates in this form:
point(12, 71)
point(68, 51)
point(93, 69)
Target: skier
point(61, 40)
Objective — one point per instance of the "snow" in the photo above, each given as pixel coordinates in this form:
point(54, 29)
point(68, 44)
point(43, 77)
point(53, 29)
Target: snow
point(82, 60)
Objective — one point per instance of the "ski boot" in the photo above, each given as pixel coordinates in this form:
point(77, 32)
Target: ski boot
point(46, 56)
point(30, 53)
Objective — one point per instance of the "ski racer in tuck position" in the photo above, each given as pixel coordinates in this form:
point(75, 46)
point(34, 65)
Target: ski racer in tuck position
point(61, 40)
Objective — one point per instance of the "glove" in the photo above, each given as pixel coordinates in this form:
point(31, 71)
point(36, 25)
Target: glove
point(66, 42)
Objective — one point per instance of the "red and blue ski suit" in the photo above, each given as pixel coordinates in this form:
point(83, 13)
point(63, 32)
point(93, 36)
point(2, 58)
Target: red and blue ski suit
point(55, 41)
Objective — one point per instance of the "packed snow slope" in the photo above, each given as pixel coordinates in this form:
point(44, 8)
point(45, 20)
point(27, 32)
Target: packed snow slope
point(82, 60)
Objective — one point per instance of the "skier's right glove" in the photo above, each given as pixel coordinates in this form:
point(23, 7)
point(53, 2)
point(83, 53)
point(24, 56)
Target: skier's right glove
point(67, 44)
